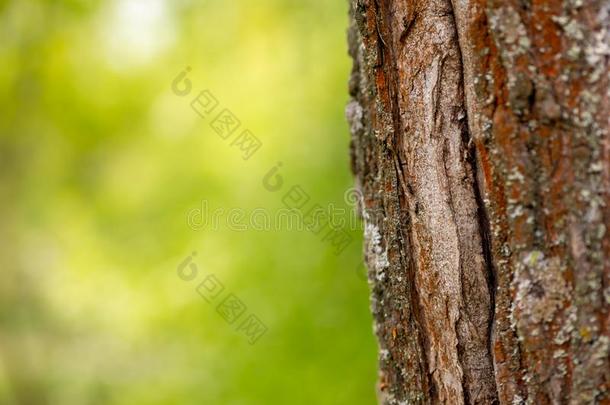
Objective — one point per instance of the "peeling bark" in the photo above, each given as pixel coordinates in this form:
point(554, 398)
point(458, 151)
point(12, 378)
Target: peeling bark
point(480, 144)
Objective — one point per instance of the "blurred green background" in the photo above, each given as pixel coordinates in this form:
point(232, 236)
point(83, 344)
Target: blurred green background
point(100, 162)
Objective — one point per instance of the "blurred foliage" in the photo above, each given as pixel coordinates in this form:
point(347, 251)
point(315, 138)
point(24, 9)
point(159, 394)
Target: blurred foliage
point(100, 163)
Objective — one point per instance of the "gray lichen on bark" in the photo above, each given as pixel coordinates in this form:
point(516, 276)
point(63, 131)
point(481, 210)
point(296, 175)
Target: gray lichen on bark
point(480, 144)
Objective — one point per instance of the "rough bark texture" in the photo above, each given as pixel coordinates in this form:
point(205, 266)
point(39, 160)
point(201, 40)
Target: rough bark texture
point(480, 144)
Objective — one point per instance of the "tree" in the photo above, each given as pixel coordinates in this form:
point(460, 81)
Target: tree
point(480, 145)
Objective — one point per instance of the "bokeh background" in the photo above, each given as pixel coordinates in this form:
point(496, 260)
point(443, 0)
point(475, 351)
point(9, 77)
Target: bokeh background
point(100, 162)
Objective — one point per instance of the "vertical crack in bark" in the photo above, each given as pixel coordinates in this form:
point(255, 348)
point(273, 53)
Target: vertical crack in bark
point(412, 163)
point(482, 215)
point(486, 239)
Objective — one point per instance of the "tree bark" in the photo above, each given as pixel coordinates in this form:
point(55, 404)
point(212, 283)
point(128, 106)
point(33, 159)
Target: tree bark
point(480, 145)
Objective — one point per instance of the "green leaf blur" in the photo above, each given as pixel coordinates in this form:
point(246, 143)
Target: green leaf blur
point(100, 165)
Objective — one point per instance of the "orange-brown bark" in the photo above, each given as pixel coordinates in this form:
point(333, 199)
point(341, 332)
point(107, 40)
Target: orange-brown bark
point(480, 142)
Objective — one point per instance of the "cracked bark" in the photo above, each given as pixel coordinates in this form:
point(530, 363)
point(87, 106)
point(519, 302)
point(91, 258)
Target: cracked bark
point(480, 144)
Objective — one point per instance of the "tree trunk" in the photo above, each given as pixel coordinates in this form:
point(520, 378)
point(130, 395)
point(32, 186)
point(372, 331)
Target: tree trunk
point(480, 145)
